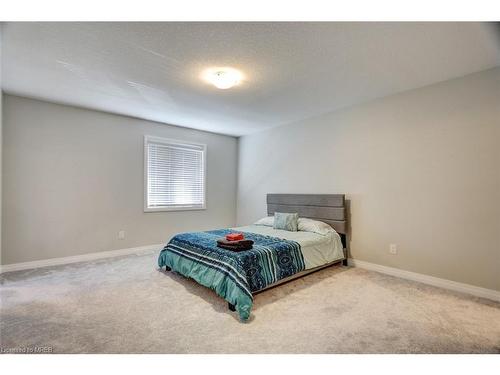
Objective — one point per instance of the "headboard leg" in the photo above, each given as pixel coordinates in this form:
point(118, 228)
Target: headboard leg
point(343, 238)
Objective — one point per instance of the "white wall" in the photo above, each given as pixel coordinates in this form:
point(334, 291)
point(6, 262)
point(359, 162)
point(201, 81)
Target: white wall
point(1, 132)
point(73, 178)
point(421, 169)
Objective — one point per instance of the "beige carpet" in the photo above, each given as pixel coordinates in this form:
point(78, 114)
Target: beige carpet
point(125, 305)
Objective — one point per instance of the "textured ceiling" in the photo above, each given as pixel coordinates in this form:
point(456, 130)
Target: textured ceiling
point(294, 70)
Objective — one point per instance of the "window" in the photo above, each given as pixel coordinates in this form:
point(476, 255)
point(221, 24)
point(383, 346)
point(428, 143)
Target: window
point(174, 175)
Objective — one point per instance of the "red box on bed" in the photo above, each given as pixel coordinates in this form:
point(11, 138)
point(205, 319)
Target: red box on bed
point(234, 236)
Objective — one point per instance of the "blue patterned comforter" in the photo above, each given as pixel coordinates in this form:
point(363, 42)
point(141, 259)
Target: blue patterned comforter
point(233, 275)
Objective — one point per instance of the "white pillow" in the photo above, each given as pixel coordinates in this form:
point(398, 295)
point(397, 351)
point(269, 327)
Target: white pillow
point(267, 221)
point(315, 226)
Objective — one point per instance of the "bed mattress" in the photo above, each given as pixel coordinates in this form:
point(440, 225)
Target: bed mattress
point(317, 249)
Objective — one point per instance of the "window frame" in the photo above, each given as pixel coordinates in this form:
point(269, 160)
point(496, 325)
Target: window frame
point(176, 142)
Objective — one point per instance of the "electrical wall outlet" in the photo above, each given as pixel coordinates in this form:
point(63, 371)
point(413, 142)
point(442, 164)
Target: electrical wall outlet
point(121, 235)
point(393, 249)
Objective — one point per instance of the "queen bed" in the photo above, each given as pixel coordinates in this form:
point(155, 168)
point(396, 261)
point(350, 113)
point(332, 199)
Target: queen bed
point(277, 255)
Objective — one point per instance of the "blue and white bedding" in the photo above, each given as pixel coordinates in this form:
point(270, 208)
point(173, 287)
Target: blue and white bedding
point(318, 246)
point(234, 276)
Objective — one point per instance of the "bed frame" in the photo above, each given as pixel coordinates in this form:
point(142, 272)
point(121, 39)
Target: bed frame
point(328, 208)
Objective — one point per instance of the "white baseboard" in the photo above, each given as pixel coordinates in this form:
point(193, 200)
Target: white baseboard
point(431, 280)
point(426, 279)
point(79, 258)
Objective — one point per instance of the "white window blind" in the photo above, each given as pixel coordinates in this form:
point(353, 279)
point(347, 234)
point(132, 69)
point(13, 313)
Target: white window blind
point(174, 175)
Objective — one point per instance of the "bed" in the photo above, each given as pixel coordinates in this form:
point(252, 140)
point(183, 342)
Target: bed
point(278, 256)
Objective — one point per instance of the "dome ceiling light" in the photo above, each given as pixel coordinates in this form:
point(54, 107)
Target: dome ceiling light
point(223, 78)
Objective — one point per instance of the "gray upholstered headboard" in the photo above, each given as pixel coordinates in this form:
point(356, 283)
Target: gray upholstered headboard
point(329, 208)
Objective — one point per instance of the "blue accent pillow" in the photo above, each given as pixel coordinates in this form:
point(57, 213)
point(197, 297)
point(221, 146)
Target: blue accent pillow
point(286, 221)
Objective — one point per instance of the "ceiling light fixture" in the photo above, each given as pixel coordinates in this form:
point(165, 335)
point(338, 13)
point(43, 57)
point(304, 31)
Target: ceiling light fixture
point(223, 78)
